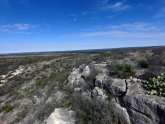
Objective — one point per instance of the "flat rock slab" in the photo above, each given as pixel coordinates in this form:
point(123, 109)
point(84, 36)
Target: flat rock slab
point(144, 109)
point(62, 116)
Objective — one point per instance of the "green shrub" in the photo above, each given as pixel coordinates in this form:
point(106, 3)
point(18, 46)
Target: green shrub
point(91, 112)
point(46, 109)
point(7, 107)
point(65, 103)
point(18, 78)
point(152, 71)
point(156, 85)
point(20, 115)
point(123, 69)
point(156, 60)
point(107, 54)
point(41, 82)
point(158, 51)
point(27, 106)
point(2, 91)
point(143, 64)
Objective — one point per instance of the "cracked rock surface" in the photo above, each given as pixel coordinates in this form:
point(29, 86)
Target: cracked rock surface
point(128, 100)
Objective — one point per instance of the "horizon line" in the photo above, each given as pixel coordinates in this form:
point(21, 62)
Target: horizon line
point(75, 50)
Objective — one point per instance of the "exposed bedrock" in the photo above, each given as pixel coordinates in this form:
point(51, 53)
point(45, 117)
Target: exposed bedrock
point(126, 97)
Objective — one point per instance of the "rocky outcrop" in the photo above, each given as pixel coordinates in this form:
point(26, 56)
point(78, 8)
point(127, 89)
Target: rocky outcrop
point(120, 112)
point(128, 100)
point(117, 87)
point(114, 86)
point(142, 108)
point(62, 116)
point(101, 80)
point(98, 94)
point(86, 71)
point(75, 78)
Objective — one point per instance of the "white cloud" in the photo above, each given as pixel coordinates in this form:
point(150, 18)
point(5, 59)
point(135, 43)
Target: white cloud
point(132, 27)
point(138, 26)
point(125, 31)
point(121, 34)
point(17, 28)
point(118, 6)
point(22, 26)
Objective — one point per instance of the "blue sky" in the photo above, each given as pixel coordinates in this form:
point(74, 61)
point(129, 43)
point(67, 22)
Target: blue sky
point(55, 25)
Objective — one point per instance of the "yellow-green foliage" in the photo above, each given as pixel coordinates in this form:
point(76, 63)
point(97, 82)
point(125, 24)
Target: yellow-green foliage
point(123, 69)
point(156, 85)
point(7, 107)
point(107, 54)
point(65, 103)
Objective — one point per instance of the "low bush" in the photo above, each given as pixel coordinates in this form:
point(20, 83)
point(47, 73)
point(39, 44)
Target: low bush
point(20, 116)
point(65, 103)
point(46, 109)
point(157, 60)
point(29, 106)
point(18, 78)
point(158, 51)
point(42, 82)
point(91, 112)
point(107, 54)
point(54, 79)
point(143, 63)
point(123, 69)
point(7, 107)
point(156, 85)
point(153, 71)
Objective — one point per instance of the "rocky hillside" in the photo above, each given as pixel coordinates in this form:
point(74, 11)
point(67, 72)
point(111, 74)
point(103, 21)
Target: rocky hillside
point(126, 99)
point(105, 87)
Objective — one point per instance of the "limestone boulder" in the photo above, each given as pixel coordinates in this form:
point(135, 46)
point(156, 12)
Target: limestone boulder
point(62, 116)
point(86, 72)
point(117, 87)
point(75, 78)
point(101, 80)
point(99, 94)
